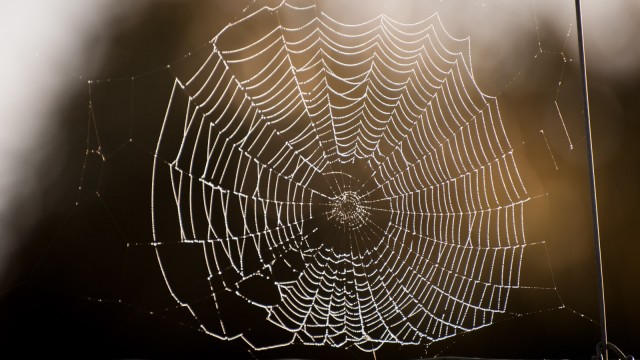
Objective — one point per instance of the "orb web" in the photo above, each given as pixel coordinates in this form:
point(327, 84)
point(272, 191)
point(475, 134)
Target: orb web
point(336, 183)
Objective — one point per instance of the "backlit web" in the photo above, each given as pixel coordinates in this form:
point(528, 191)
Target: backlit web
point(347, 183)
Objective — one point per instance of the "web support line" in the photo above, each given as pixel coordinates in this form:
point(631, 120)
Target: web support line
point(592, 177)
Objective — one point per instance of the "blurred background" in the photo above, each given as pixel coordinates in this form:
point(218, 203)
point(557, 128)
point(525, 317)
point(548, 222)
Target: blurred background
point(74, 183)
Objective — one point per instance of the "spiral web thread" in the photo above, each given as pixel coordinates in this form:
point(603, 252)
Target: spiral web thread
point(353, 173)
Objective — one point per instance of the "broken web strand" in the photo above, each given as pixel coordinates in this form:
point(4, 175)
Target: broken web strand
point(339, 162)
point(565, 60)
point(568, 146)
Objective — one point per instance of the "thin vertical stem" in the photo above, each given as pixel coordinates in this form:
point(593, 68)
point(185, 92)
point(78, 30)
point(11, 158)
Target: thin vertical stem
point(592, 177)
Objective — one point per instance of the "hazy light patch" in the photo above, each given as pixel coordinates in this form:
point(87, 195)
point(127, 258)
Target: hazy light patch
point(613, 36)
point(43, 45)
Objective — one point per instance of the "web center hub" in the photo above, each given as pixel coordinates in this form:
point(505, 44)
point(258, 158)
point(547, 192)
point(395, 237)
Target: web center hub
point(348, 210)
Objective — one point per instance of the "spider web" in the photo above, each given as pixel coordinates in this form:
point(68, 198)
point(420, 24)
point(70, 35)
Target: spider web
point(348, 182)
